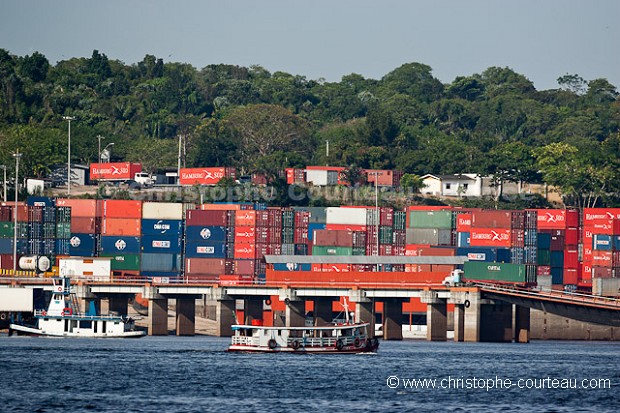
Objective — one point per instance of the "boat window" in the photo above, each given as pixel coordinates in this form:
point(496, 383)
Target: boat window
point(85, 324)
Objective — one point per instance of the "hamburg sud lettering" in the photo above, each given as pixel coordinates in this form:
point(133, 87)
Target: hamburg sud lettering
point(490, 237)
point(204, 176)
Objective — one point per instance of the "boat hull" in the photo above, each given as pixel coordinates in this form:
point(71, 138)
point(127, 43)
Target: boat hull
point(371, 348)
point(36, 332)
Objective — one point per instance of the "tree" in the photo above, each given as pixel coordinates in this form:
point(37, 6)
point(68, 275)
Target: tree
point(412, 182)
point(354, 175)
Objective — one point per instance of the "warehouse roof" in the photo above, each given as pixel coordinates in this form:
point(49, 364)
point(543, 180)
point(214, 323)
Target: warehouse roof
point(363, 259)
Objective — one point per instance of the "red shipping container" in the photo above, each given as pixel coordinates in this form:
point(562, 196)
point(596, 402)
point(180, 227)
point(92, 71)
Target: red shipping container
point(245, 267)
point(346, 227)
point(386, 216)
point(414, 250)
point(437, 252)
point(570, 276)
point(593, 215)
point(295, 176)
point(120, 226)
point(300, 236)
point(399, 250)
point(114, 171)
point(245, 218)
point(490, 237)
point(204, 176)
point(302, 219)
point(571, 237)
point(236, 280)
point(543, 270)
point(605, 258)
point(385, 250)
point(222, 207)
point(120, 208)
point(463, 222)
point(607, 227)
point(557, 218)
point(216, 218)
point(245, 251)
point(382, 176)
point(267, 249)
point(604, 272)
point(202, 278)
point(213, 266)
point(557, 243)
point(586, 271)
point(245, 235)
point(6, 261)
point(85, 225)
point(571, 259)
point(493, 219)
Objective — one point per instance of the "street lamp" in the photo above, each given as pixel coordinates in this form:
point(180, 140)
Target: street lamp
point(17, 155)
point(99, 137)
point(4, 192)
point(69, 119)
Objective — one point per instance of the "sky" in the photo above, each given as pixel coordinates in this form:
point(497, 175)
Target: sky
point(327, 39)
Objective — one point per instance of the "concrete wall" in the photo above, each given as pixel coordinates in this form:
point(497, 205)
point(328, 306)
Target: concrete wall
point(544, 326)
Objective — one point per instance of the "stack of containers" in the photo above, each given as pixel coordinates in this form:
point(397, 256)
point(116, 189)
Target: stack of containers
point(385, 226)
point(317, 219)
point(257, 233)
point(7, 234)
point(515, 230)
point(209, 244)
point(601, 244)
point(399, 234)
point(85, 227)
point(63, 230)
point(162, 237)
point(295, 224)
point(120, 235)
point(557, 254)
point(476, 253)
point(430, 227)
point(41, 226)
point(337, 243)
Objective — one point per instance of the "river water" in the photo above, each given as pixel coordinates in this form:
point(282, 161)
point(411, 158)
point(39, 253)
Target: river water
point(195, 374)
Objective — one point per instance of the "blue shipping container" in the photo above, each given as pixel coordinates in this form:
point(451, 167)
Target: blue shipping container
point(161, 244)
point(162, 227)
point(82, 245)
point(126, 245)
point(557, 275)
point(544, 240)
point(312, 227)
point(462, 239)
point(6, 246)
point(160, 262)
point(557, 259)
point(601, 242)
point(205, 250)
point(292, 266)
point(162, 277)
point(42, 201)
point(206, 233)
point(487, 254)
point(63, 247)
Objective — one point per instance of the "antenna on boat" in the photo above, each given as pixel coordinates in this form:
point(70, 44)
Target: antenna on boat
point(347, 318)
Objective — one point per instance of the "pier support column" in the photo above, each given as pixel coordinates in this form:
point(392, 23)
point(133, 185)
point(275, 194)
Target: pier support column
point(459, 322)
point(323, 314)
point(522, 324)
point(252, 310)
point(436, 316)
point(158, 317)
point(186, 317)
point(471, 322)
point(364, 309)
point(225, 318)
point(496, 322)
point(295, 313)
point(392, 319)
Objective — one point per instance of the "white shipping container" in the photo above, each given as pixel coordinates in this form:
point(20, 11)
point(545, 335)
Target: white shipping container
point(16, 299)
point(97, 269)
point(316, 177)
point(348, 216)
point(162, 210)
point(608, 287)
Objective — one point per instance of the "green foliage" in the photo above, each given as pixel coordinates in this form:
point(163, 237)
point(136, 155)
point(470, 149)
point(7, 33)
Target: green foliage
point(260, 122)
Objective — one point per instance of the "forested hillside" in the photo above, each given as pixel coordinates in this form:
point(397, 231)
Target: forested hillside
point(492, 123)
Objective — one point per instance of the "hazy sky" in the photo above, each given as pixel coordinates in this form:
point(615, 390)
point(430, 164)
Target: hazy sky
point(541, 39)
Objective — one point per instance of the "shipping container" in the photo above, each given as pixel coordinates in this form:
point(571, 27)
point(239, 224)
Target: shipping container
point(295, 176)
point(121, 226)
point(346, 216)
point(463, 222)
point(312, 227)
point(116, 245)
point(6, 246)
point(77, 267)
point(487, 254)
point(82, 207)
point(207, 233)
point(213, 266)
point(500, 272)
point(162, 210)
point(333, 250)
point(205, 176)
point(436, 219)
point(557, 218)
point(129, 262)
point(430, 236)
point(321, 178)
point(198, 217)
point(83, 245)
point(160, 262)
point(206, 250)
point(162, 227)
point(162, 244)
point(121, 208)
point(114, 171)
point(498, 219)
point(85, 225)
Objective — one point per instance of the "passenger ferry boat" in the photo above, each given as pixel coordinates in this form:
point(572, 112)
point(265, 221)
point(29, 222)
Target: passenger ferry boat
point(61, 319)
point(345, 338)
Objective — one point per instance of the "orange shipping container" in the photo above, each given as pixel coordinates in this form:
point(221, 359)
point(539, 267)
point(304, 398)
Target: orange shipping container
point(247, 251)
point(85, 225)
point(221, 207)
point(82, 207)
point(121, 226)
point(245, 219)
point(120, 208)
point(352, 278)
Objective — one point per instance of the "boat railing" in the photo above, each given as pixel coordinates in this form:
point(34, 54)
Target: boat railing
point(246, 340)
point(324, 341)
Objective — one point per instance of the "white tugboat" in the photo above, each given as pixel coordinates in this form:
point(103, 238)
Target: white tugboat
point(346, 338)
point(61, 319)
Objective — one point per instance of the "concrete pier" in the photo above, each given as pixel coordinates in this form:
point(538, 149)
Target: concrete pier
point(158, 317)
point(436, 316)
point(459, 322)
point(295, 315)
point(365, 312)
point(496, 322)
point(186, 317)
point(471, 320)
point(224, 317)
point(119, 304)
point(392, 319)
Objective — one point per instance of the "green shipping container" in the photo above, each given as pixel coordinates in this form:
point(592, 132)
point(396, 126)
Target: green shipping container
point(385, 235)
point(501, 272)
point(6, 230)
point(359, 251)
point(431, 219)
point(128, 262)
point(288, 219)
point(63, 230)
point(400, 220)
point(543, 257)
point(323, 250)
